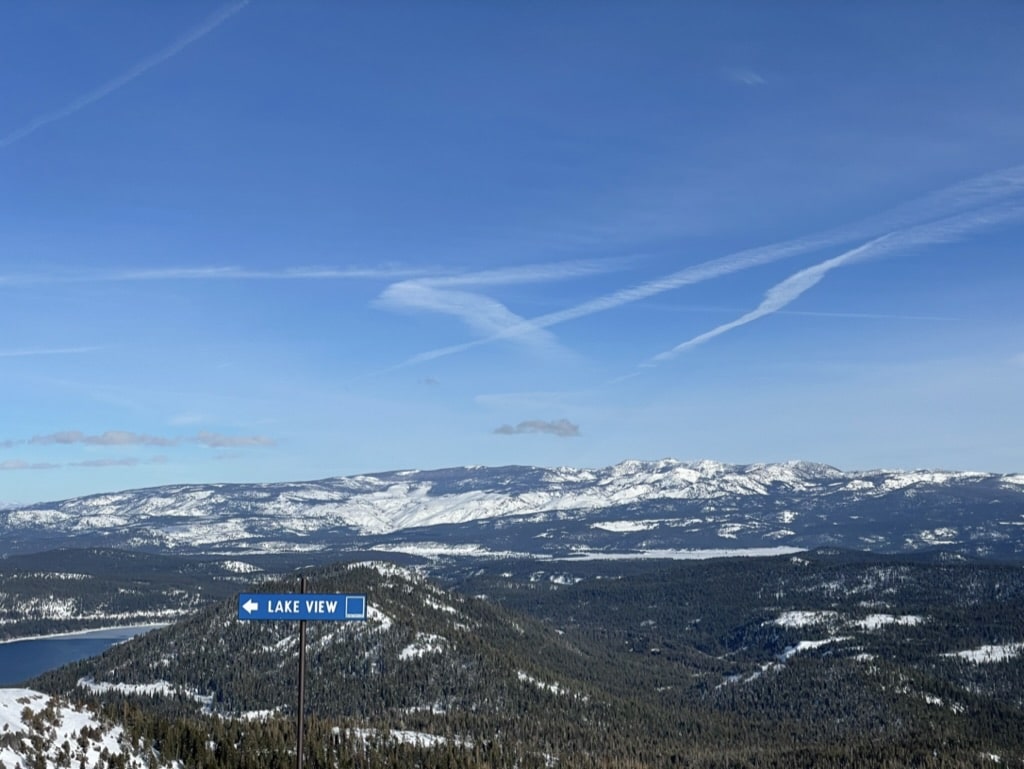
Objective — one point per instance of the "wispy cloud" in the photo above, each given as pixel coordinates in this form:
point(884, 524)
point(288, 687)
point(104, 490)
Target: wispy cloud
point(123, 79)
point(127, 438)
point(743, 76)
point(31, 352)
point(784, 293)
point(529, 273)
point(482, 313)
point(119, 462)
point(239, 273)
point(962, 197)
point(218, 441)
point(562, 428)
point(109, 438)
point(213, 273)
point(20, 464)
point(123, 462)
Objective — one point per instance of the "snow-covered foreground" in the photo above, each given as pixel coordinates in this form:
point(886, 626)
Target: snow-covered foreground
point(41, 731)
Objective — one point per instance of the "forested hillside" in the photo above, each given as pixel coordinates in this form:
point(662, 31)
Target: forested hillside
point(71, 590)
point(823, 659)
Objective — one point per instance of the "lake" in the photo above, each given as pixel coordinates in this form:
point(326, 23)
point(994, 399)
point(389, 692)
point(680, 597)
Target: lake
point(21, 660)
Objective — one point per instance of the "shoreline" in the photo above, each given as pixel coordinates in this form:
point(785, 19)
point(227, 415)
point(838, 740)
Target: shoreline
point(94, 632)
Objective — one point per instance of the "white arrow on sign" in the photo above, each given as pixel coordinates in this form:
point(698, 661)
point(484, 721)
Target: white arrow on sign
point(250, 606)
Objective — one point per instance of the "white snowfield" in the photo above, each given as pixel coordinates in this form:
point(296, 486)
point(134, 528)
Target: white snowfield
point(402, 736)
point(802, 619)
point(24, 713)
point(390, 502)
point(798, 619)
point(554, 688)
point(801, 646)
point(425, 643)
point(875, 621)
point(156, 688)
point(990, 653)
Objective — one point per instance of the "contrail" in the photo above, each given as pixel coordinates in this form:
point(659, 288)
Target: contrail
point(782, 294)
point(46, 351)
point(214, 274)
point(969, 194)
point(777, 297)
point(122, 80)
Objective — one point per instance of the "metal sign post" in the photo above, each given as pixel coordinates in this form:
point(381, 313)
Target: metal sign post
point(300, 729)
point(301, 606)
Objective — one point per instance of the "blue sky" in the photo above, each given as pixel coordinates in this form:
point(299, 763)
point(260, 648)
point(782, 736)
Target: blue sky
point(278, 241)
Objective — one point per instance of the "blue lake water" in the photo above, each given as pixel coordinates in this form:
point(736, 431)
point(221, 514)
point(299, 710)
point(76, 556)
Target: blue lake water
point(21, 660)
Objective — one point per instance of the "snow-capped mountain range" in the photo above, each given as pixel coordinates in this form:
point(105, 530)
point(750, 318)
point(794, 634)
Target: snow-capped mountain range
point(635, 507)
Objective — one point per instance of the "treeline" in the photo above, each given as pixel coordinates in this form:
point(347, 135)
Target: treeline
point(67, 590)
point(668, 665)
point(219, 743)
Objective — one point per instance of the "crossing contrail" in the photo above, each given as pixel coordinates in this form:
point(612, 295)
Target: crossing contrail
point(782, 294)
point(966, 201)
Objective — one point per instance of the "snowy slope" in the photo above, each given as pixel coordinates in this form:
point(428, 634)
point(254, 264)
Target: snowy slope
point(670, 503)
point(41, 731)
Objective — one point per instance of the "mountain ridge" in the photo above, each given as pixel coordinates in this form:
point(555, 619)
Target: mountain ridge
point(673, 504)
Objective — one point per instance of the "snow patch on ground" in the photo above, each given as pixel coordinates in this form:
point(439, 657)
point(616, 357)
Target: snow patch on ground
point(157, 688)
point(803, 646)
point(405, 737)
point(797, 619)
point(940, 536)
point(379, 618)
point(989, 653)
point(439, 549)
point(622, 527)
point(564, 579)
point(440, 606)
point(161, 688)
point(553, 688)
point(387, 569)
point(240, 567)
point(681, 555)
point(876, 621)
point(425, 643)
point(260, 715)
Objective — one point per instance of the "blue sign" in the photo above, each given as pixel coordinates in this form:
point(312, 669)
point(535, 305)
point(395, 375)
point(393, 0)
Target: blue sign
point(306, 606)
